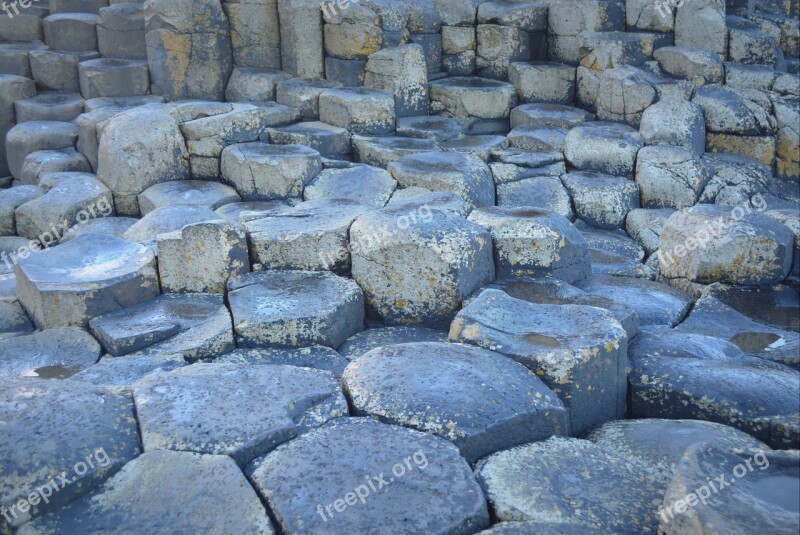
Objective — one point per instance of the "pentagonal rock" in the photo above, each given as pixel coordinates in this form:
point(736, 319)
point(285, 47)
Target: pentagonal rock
point(416, 265)
point(464, 97)
point(195, 325)
point(283, 402)
point(52, 354)
point(347, 463)
point(83, 278)
point(531, 242)
point(579, 351)
point(51, 426)
point(294, 309)
point(481, 401)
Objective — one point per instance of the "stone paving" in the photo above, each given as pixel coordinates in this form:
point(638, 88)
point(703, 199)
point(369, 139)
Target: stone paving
point(399, 267)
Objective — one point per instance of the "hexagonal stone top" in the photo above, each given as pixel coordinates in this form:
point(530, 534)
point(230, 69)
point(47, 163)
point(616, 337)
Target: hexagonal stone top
point(480, 400)
point(49, 427)
point(238, 410)
point(356, 475)
point(294, 308)
point(158, 493)
point(51, 354)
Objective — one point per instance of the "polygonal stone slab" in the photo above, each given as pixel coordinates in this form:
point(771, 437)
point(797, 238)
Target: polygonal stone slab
point(212, 195)
point(603, 147)
point(194, 325)
point(480, 400)
point(416, 265)
point(579, 351)
point(360, 110)
point(83, 278)
point(282, 402)
point(355, 474)
point(360, 183)
point(549, 115)
point(13, 320)
point(465, 97)
point(661, 341)
point(331, 141)
point(312, 235)
point(533, 242)
point(48, 428)
point(112, 226)
point(601, 200)
point(51, 354)
point(361, 343)
point(152, 488)
point(645, 226)
point(433, 127)
point(464, 174)
point(318, 357)
point(614, 253)
point(112, 371)
point(536, 482)
point(167, 219)
point(379, 151)
point(294, 308)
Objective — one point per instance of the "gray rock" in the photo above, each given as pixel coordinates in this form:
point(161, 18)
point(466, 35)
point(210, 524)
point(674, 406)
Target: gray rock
point(113, 77)
point(301, 38)
point(482, 146)
point(120, 32)
point(10, 200)
point(602, 147)
point(693, 64)
point(613, 253)
point(27, 138)
point(283, 401)
point(401, 71)
point(466, 97)
point(662, 341)
point(51, 426)
point(198, 326)
point(126, 503)
point(212, 195)
point(777, 306)
point(83, 278)
point(234, 211)
point(303, 94)
point(670, 177)
point(331, 141)
point(579, 351)
point(736, 180)
point(318, 357)
point(251, 84)
point(654, 303)
point(522, 410)
point(348, 458)
point(57, 69)
point(379, 151)
point(365, 341)
point(13, 320)
point(294, 309)
point(124, 372)
point(497, 46)
point(645, 226)
point(435, 128)
point(543, 193)
point(362, 184)
point(535, 482)
point(674, 122)
point(165, 220)
point(537, 81)
point(71, 31)
point(701, 24)
point(416, 265)
point(726, 111)
point(361, 111)
point(463, 174)
point(534, 138)
point(41, 162)
point(49, 107)
point(559, 248)
point(51, 354)
point(601, 200)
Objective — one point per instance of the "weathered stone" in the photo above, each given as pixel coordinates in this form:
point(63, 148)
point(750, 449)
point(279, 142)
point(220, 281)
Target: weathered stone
point(402, 72)
point(318, 357)
point(112, 226)
point(12, 198)
point(114, 372)
point(435, 128)
point(602, 201)
point(497, 46)
point(58, 70)
point(694, 64)
point(120, 32)
point(363, 184)
point(167, 219)
point(113, 77)
point(670, 177)
point(42, 162)
point(255, 33)
point(580, 352)
point(365, 341)
point(507, 404)
point(303, 94)
point(362, 111)
point(49, 107)
point(465, 97)
point(212, 195)
point(340, 454)
point(614, 253)
point(27, 138)
point(51, 354)
point(701, 24)
point(674, 122)
point(379, 151)
point(71, 31)
point(249, 84)
point(482, 146)
point(543, 82)
point(645, 226)
point(330, 141)
point(602, 147)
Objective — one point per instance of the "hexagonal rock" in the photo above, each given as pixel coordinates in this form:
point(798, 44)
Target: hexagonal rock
point(662, 341)
point(346, 463)
point(152, 487)
point(312, 235)
point(480, 400)
point(251, 84)
point(331, 141)
point(416, 265)
point(552, 291)
point(601, 200)
point(83, 278)
point(363, 184)
point(361, 343)
point(165, 220)
point(294, 308)
point(51, 354)
point(303, 94)
point(544, 193)
point(360, 110)
point(73, 201)
point(262, 172)
point(464, 174)
point(199, 192)
point(464, 97)
point(579, 351)
point(614, 253)
point(482, 146)
point(736, 179)
point(12, 198)
point(49, 107)
point(602, 147)
point(712, 317)
point(694, 64)
point(535, 482)
point(670, 177)
point(401, 71)
point(318, 357)
point(195, 325)
point(654, 303)
point(111, 371)
point(533, 242)
point(710, 243)
point(139, 148)
point(730, 112)
point(282, 401)
point(645, 226)
point(41, 162)
point(751, 394)
point(201, 257)
point(50, 426)
point(674, 121)
point(769, 491)
point(549, 115)
point(538, 81)
point(379, 151)
point(433, 127)
point(26, 138)
point(419, 198)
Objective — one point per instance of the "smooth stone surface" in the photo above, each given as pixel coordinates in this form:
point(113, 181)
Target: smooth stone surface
point(212, 195)
point(480, 400)
point(365, 341)
point(361, 183)
point(167, 219)
point(111, 371)
point(318, 357)
point(51, 354)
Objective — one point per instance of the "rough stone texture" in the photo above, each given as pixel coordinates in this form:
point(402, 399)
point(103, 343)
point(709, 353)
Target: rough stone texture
point(262, 172)
point(402, 72)
point(365, 341)
point(285, 401)
point(167, 219)
point(701, 24)
point(363, 184)
point(674, 122)
point(601, 200)
point(579, 351)
point(602, 147)
point(362, 111)
point(52, 354)
point(670, 177)
point(318, 357)
point(339, 454)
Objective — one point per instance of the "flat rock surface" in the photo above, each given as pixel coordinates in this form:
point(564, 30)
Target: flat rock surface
point(51, 354)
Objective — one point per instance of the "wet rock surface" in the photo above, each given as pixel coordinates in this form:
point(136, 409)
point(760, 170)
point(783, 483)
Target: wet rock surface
point(541, 257)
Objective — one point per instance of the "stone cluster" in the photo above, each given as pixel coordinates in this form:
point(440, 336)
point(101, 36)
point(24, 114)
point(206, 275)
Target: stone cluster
point(399, 266)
